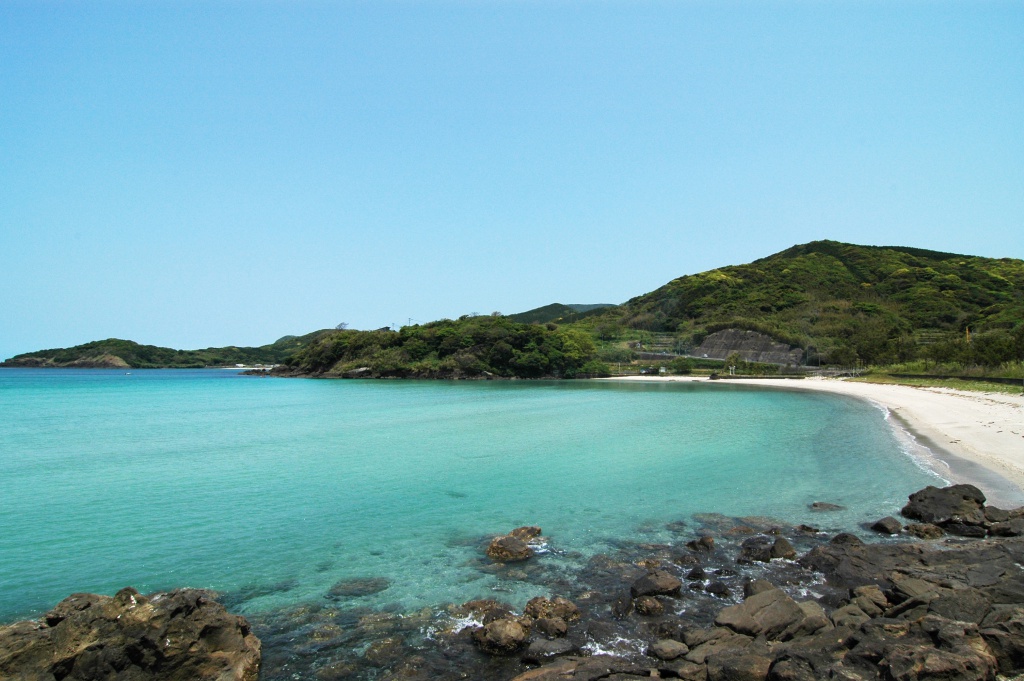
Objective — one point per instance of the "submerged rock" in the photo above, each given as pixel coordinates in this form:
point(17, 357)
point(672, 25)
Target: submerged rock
point(359, 586)
point(182, 635)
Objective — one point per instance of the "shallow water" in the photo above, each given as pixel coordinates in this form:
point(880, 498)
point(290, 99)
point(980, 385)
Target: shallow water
point(273, 490)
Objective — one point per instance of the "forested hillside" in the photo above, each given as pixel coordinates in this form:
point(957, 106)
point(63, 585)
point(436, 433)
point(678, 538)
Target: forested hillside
point(467, 347)
point(845, 303)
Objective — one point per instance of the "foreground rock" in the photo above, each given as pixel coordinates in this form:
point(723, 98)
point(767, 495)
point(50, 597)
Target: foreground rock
point(182, 635)
point(514, 546)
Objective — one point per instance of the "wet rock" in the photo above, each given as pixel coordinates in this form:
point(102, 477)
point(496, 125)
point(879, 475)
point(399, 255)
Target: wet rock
point(696, 573)
point(755, 550)
point(384, 652)
point(543, 650)
point(924, 531)
point(500, 637)
point(656, 583)
point(558, 607)
point(887, 525)
point(649, 606)
point(959, 503)
point(622, 606)
point(508, 549)
point(807, 529)
point(846, 539)
point(783, 549)
point(701, 545)
point(667, 649)
point(718, 589)
point(552, 627)
point(767, 613)
point(360, 586)
point(824, 506)
point(176, 636)
point(756, 586)
point(526, 533)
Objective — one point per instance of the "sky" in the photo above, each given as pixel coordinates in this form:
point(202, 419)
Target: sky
point(195, 174)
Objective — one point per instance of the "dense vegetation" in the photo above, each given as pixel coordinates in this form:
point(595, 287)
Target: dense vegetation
point(845, 304)
point(115, 352)
point(466, 348)
point(557, 313)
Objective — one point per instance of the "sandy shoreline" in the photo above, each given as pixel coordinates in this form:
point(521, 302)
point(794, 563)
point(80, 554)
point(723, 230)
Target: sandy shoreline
point(973, 437)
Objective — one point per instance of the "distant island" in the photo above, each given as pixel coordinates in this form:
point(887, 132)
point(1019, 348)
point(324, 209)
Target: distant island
point(817, 304)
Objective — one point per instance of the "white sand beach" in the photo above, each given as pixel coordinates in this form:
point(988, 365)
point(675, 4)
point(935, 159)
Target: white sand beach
point(975, 437)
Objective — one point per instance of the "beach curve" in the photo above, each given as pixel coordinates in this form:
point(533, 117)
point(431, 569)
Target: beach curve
point(976, 437)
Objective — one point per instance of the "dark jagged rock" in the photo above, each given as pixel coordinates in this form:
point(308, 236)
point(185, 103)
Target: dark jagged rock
point(956, 503)
point(824, 506)
point(182, 635)
point(887, 525)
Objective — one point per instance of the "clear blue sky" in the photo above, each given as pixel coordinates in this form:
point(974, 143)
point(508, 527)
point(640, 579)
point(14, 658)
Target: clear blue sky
point(194, 174)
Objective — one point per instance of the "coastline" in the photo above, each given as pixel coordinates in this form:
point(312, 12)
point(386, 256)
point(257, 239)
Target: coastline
point(975, 438)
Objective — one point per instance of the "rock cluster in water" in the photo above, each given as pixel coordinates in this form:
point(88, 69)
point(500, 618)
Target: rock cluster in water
point(182, 635)
point(732, 599)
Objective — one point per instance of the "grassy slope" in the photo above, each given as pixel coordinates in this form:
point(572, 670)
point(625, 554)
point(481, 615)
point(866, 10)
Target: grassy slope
point(847, 302)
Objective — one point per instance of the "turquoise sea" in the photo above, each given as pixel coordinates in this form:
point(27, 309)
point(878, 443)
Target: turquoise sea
point(273, 490)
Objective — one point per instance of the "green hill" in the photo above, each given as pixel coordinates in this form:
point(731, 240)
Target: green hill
point(465, 348)
point(115, 352)
point(846, 303)
point(558, 313)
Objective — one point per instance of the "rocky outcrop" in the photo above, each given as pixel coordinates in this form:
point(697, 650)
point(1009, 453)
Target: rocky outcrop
point(750, 345)
point(961, 504)
point(182, 635)
point(514, 546)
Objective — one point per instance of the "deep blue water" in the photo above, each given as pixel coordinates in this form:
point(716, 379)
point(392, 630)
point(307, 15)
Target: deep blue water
point(273, 489)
